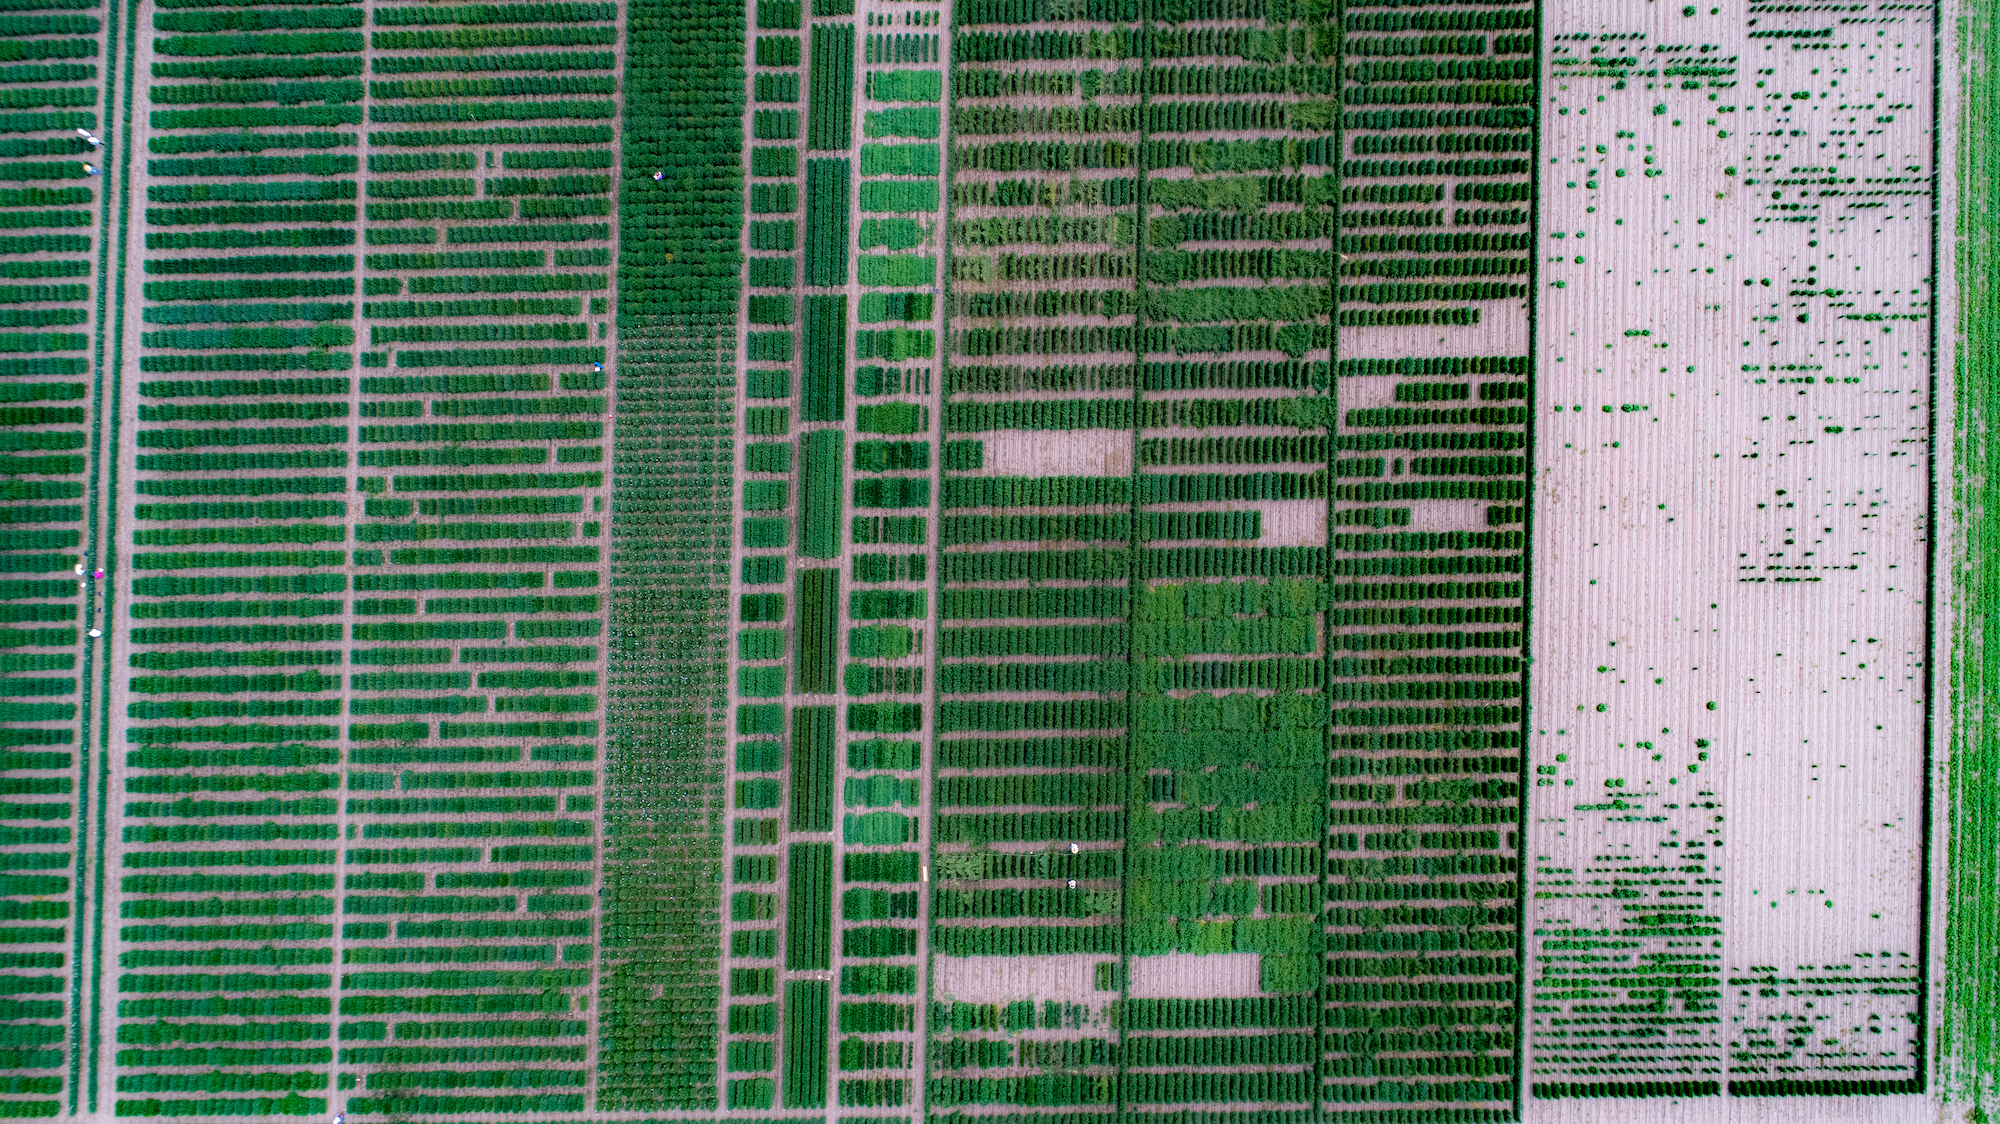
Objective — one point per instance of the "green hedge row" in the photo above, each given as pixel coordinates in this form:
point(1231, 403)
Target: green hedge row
point(452, 457)
point(565, 60)
point(28, 220)
point(250, 166)
point(37, 98)
point(878, 979)
point(467, 259)
point(247, 142)
point(56, 72)
point(12, 25)
point(269, 509)
point(1046, 790)
point(39, 341)
point(17, 49)
point(560, 209)
point(960, 530)
point(773, 198)
point(41, 392)
point(202, 560)
point(1096, 11)
point(879, 866)
point(1042, 640)
point(532, 134)
point(419, 162)
point(545, 1102)
point(41, 317)
point(977, 753)
point(254, 20)
point(460, 211)
point(241, 239)
point(401, 310)
point(499, 481)
point(307, 191)
point(1032, 491)
point(778, 15)
point(334, 66)
point(549, 232)
point(492, 87)
point(492, 111)
point(451, 333)
point(39, 243)
point(558, 185)
point(249, 361)
point(202, 216)
point(222, 388)
point(167, 586)
point(283, 93)
point(487, 38)
point(195, 438)
point(1011, 827)
point(303, 43)
point(536, 160)
point(502, 357)
point(515, 283)
point(263, 263)
point(419, 189)
point(496, 13)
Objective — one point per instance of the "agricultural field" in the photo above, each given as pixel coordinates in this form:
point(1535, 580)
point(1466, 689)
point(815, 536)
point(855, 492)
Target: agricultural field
point(925, 560)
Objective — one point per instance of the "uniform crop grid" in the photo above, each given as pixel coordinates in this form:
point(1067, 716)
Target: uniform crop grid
point(51, 203)
point(416, 486)
point(247, 360)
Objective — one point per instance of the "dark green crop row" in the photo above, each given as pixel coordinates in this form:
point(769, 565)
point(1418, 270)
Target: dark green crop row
point(563, 60)
point(270, 66)
point(254, 20)
point(487, 38)
point(496, 13)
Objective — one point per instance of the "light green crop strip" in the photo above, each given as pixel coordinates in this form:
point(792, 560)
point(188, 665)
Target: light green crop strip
point(1967, 1030)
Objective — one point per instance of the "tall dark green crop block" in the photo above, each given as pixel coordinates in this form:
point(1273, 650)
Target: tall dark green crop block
point(829, 188)
point(818, 631)
point(824, 391)
point(830, 112)
point(809, 907)
point(812, 768)
point(820, 496)
point(805, 1043)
